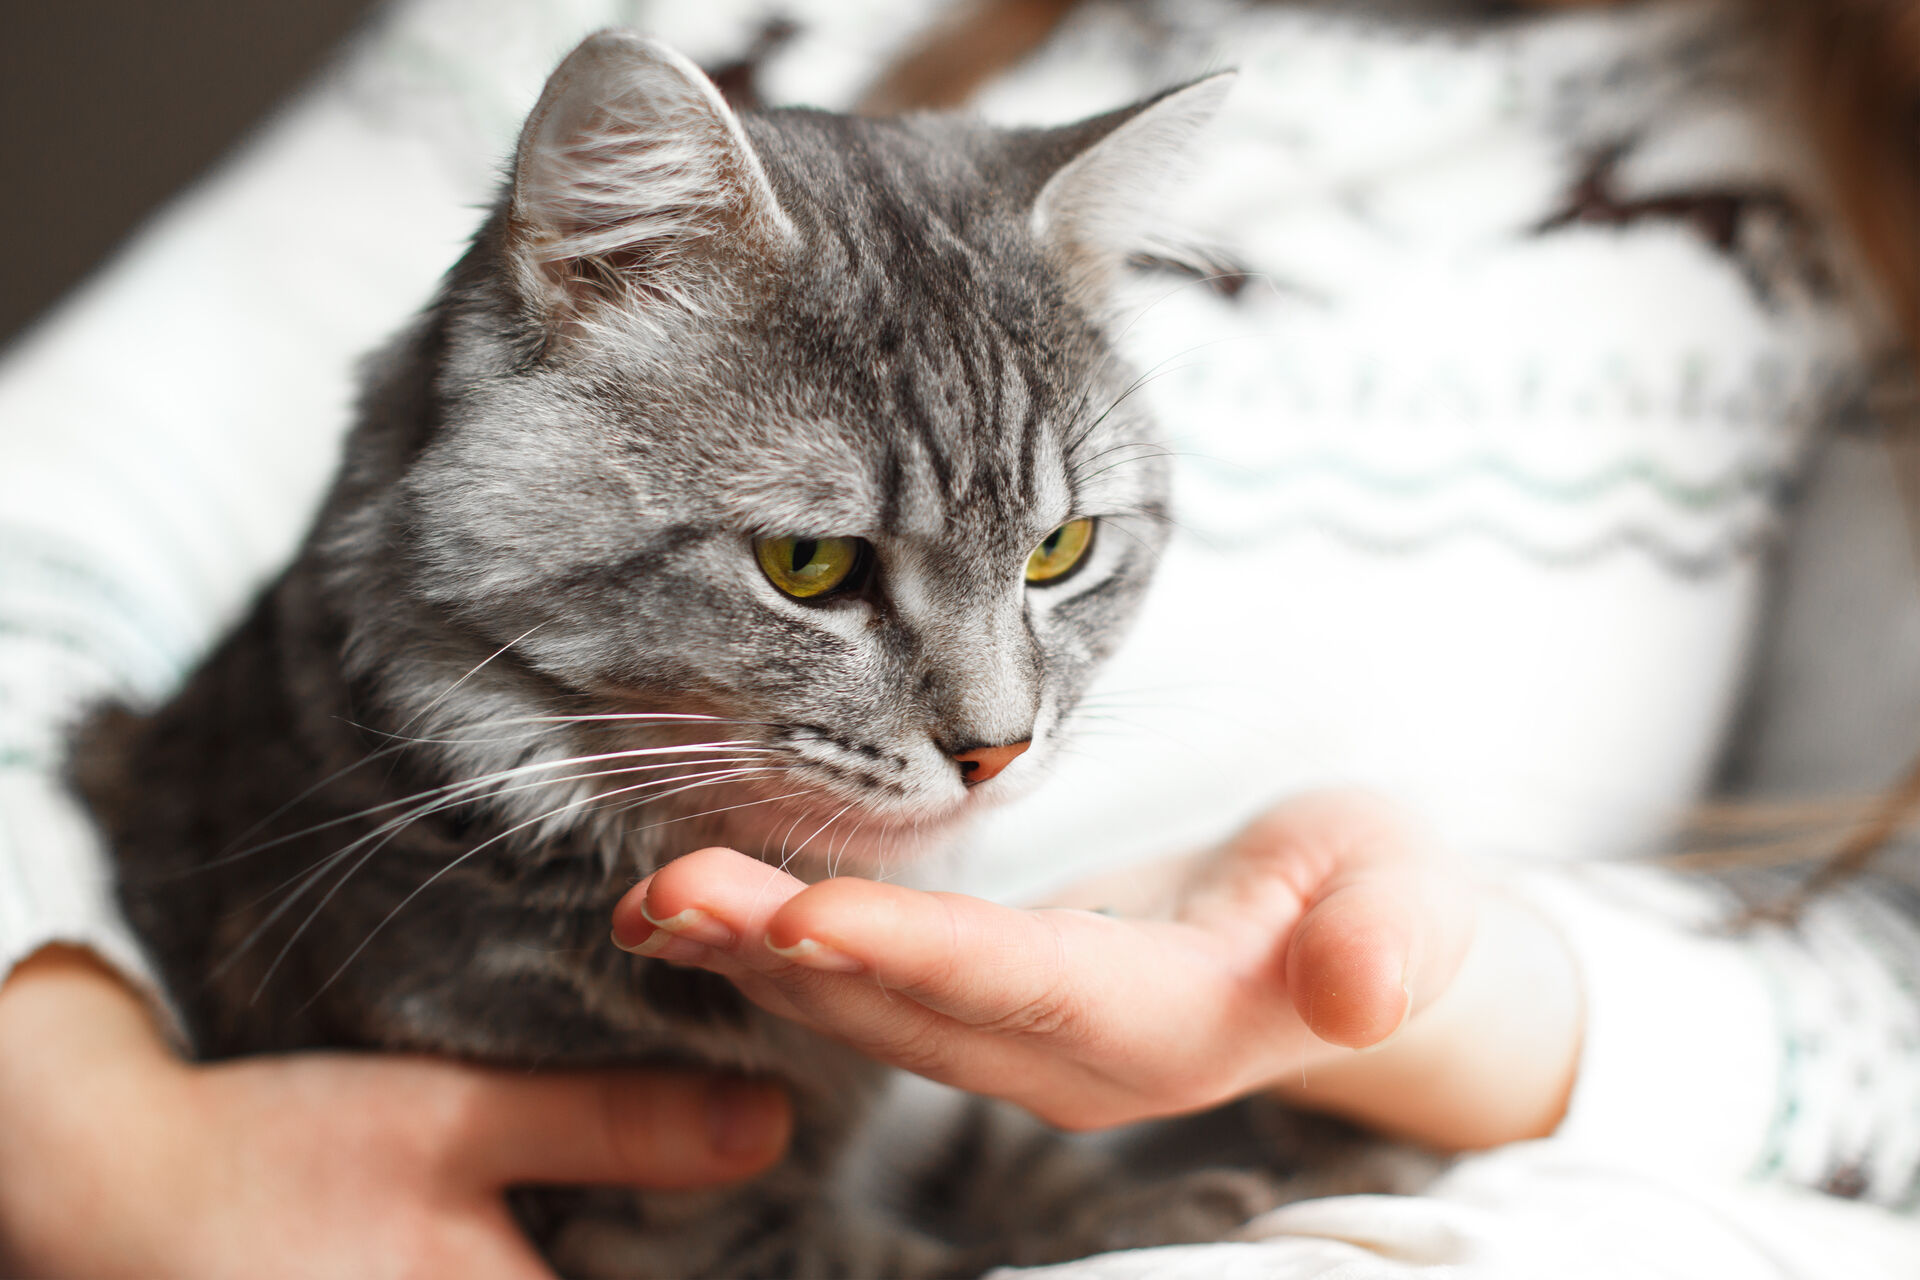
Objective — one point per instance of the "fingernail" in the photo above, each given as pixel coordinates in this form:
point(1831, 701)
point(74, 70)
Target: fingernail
point(1405, 1014)
point(743, 1119)
point(816, 955)
point(694, 925)
point(661, 945)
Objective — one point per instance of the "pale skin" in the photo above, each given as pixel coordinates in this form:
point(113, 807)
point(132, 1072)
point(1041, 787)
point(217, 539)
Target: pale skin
point(122, 1160)
point(1327, 953)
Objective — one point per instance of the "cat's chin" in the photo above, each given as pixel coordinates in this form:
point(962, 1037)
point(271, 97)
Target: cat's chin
point(848, 842)
point(873, 856)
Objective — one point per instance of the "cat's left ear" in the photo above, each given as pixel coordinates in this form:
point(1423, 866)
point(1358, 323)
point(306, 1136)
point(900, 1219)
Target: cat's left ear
point(635, 181)
point(1104, 204)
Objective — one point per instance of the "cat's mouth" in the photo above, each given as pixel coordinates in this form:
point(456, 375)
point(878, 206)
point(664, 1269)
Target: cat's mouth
point(793, 794)
point(811, 835)
point(813, 830)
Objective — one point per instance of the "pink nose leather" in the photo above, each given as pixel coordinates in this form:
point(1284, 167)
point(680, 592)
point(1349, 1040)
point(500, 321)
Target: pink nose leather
point(981, 763)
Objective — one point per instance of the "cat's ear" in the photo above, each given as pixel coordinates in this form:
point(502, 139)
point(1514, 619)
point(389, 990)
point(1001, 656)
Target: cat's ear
point(1104, 204)
point(634, 180)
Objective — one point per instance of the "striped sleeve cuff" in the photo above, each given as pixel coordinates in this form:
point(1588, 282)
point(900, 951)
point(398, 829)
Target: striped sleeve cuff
point(1846, 974)
point(56, 885)
point(1683, 1053)
point(1785, 1052)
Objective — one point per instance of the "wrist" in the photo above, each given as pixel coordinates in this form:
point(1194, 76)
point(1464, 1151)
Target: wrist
point(88, 1084)
point(64, 1002)
point(1492, 1060)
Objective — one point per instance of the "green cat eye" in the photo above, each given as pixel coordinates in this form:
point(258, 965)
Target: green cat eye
point(806, 568)
point(1061, 552)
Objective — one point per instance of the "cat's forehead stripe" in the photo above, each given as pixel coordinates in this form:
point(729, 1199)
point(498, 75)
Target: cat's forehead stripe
point(922, 336)
point(985, 455)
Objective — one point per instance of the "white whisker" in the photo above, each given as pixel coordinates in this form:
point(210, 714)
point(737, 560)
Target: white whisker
point(444, 693)
point(708, 813)
point(560, 721)
point(788, 836)
point(481, 783)
point(436, 876)
point(802, 847)
point(380, 836)
point(324, 782)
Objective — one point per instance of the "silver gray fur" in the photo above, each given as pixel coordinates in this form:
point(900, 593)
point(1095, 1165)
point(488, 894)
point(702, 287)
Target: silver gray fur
point(395, 808)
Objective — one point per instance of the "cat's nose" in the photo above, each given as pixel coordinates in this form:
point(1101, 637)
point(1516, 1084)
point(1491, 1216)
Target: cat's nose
point(981, 763)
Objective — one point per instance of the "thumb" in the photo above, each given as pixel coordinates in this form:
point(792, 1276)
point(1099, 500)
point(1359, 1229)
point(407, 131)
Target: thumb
point(1376, 920)
point(666, 1130)
point(1377, 945)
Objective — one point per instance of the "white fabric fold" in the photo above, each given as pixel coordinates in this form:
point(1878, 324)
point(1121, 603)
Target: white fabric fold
point(1543, 1212)
point(1683, 1052)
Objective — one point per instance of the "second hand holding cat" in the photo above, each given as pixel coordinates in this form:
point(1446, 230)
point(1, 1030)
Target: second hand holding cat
point(1325, 926)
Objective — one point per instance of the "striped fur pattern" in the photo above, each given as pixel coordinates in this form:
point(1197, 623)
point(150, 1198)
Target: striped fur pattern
point(527, 653)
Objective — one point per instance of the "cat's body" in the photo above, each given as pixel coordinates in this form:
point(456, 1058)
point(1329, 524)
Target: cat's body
point(527, 654)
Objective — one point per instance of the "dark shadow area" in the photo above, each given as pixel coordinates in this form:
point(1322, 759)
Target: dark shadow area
point(107, 109)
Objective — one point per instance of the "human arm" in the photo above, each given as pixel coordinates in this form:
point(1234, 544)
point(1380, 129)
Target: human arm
point(1617, 1008)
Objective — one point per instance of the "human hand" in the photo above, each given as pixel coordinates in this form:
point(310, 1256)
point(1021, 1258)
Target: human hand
point(1326, 925)
point(121, 1160)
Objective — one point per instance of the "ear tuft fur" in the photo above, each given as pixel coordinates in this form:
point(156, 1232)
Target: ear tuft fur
point(631, 177)
point(1101, 207)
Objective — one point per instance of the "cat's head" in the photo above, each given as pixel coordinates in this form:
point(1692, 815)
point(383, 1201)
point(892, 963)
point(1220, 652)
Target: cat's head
point(808, 424)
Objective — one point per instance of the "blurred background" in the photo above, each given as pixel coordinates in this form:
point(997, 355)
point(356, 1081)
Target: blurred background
point(108, 108)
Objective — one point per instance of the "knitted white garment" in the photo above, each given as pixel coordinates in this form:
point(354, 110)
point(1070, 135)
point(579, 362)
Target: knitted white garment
point(1479, 465)
point(1476, 467)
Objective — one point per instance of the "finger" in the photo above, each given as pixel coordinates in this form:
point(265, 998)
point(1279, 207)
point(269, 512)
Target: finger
point(717, 908)
point(972, 960)
point(985, 997)
point(1067, 1013)
point(1283, 861)
point(1062, 981)
point(713, 908)
point(1374, 922)
point(710, 898)
point(707, 909)
point(733, 902)
point(655, 1129)
point(1374, 948)
point(846, 950)
point(710, 909)
point(969, 959)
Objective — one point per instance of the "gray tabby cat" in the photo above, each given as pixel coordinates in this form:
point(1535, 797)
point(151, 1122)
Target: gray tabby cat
point(763, 480)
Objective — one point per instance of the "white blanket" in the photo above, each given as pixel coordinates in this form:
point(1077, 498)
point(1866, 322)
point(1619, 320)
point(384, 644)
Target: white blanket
point(1534, 1212)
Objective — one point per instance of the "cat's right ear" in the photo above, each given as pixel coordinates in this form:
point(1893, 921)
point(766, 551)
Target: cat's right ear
point(634, 185)
point(1103, 202)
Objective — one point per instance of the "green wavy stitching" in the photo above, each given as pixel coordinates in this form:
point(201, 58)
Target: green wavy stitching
point(1743, 481)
